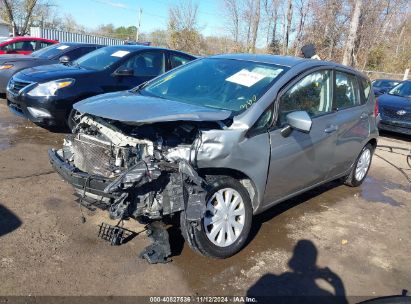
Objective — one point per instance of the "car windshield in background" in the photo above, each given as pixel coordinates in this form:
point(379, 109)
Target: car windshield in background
point(385, 83)
point(5, 39)
point(101, 59)
point(225, 84)
point(403, 89)
point(51, 51)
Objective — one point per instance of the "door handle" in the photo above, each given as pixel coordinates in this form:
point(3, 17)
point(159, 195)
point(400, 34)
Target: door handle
point(364, 116)
point(331, 128)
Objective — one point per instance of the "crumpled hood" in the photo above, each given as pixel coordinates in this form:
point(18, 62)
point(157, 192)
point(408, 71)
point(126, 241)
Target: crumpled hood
point(54, 71)
point(134, 108)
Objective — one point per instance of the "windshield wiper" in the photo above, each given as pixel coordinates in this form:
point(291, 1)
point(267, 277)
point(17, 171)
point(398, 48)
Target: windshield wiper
point(138, 88)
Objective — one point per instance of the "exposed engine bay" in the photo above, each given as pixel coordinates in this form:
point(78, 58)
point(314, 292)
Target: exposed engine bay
point(149, 172)
point(150, 167)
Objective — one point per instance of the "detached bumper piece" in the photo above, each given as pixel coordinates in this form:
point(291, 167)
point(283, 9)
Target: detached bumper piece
point(159, 251)
point(115, 235)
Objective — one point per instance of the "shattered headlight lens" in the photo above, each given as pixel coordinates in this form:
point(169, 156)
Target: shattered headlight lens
point(50, 88)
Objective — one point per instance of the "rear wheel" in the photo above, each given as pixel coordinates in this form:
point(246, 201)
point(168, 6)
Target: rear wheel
point(361, 167)
point(226, 223)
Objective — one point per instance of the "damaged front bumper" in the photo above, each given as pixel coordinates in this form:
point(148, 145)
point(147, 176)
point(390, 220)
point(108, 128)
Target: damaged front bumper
point(81, 181)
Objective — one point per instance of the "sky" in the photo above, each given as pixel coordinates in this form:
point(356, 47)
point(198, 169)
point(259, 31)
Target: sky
point(92, 13)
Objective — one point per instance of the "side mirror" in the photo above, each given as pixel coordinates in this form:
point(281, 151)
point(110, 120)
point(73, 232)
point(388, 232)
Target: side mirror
point(64, 59)
point(300, 120)
point(123, 71)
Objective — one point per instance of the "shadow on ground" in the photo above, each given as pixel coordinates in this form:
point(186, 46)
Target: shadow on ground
point(300, 285)
point(8, 221)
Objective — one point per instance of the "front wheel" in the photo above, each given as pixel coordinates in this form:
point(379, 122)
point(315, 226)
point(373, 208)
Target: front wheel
point(73, 119)
point(226, 223)
point(361, 167)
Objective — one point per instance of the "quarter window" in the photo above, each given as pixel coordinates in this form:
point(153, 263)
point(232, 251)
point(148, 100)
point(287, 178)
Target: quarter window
point(311, 94)
point(177, 60)
point(347, 90)
point(366, 86)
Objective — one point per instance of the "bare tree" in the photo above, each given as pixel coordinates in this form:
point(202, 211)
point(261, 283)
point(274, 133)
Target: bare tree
point(303, 7)
point(255, 25)
point(287, 26)
point(232, 8)
point(349, 55)
point(21, 14)
point(183, 27)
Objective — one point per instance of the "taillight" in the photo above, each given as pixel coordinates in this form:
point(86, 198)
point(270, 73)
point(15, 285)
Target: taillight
point(376, 109)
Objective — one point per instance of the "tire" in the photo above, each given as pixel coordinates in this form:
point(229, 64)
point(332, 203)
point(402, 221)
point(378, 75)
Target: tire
point(71, 120)
point(222, 244)
point(361, 167)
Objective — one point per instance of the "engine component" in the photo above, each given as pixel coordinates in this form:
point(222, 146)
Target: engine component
point(119, 209)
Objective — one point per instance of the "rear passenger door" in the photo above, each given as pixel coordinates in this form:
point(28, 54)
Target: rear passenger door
point(352, 119)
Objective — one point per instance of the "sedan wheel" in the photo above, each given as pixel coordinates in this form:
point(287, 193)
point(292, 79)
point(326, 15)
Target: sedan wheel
point(225, 216)
point(226, 223)
point(363, 164)
point(360, 168)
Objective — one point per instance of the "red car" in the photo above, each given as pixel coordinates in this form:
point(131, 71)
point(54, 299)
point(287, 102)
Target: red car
point(23, 45)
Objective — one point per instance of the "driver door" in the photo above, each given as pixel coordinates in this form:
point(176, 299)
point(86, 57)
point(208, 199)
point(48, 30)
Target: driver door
point(300, 160)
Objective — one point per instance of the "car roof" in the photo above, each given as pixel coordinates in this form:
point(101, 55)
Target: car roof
point(288, 61)
point(386, 79)
point(79, 44)
point(138, 47)
point(28, 37)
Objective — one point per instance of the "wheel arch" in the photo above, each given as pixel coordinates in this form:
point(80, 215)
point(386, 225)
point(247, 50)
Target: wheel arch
point(243, 178)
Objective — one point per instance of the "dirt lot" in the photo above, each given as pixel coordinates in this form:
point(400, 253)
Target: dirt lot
point(351, 241)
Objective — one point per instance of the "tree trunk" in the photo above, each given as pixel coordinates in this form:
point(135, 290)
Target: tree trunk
point(9, 13)
point(287, 28)
point(256, 22)
point(348, 58)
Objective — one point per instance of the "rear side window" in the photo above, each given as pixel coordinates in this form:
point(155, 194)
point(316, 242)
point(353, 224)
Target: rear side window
point(347, 90)
point(311, 94)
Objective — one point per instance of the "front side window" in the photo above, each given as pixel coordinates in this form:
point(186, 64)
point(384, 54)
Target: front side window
point(226, 84)
point(347, 90)
point(146, 64)
point(311, 94)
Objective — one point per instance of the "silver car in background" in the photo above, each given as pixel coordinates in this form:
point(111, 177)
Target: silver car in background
point(219, 140)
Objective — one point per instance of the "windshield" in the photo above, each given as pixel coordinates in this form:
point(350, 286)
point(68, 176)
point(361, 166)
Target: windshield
point(385, 83)
point(226, 84)
point(51, 51)
point(5, 39)
point(403, 89)
point(101, 59)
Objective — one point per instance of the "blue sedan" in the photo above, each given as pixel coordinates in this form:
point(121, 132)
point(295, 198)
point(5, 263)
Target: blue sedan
point(395, 109)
